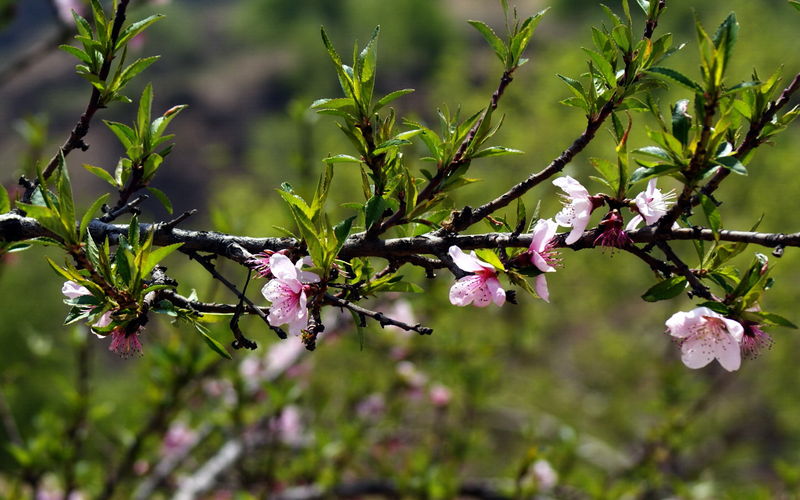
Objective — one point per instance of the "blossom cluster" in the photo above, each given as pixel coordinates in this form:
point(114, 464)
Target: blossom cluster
point(703, 335)
point(481, 287)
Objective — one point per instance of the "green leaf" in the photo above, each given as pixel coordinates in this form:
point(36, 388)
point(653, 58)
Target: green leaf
point(157, 256)
point(136, 28)
point(66, 204)
point(64, 273)
point(644, 173)
point(654, 151)
point(5, 202)
point(366, 62)
point(341, 159)
point(134, 69)
point(89, 215)
point(75, 51)
point(681, 121)
point(605, 68)
point(575, 86)
point(383, 101)
point(666, 289)
point(162, 197)
point(712, 214)
point(494, 41)
point(772, 319)
point(340, 103)
point(678, 77)
point(211, 341)
point(345, 80)
point(143, 114)
point(490, 257)
point(496, 151)
point(795, 4)
point(373, 210)
point(726, 36)
point(101, 173)
point(733, 164)
point(342, 230)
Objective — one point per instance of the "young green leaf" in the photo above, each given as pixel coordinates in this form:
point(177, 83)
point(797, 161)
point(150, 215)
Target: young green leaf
point(666, 289)
point(89, 215)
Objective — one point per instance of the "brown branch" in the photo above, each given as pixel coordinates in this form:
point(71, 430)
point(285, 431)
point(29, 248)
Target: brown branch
point(14, 227)
point(382, 319)
point(75, 139)
point(466, 217)
point(681, 268)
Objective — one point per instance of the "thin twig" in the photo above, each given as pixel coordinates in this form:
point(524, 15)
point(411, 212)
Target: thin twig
point(681, 268)
point(131, 206)
point(433, 186)
point(206, 263)
point(14, 227)
point(381, 318)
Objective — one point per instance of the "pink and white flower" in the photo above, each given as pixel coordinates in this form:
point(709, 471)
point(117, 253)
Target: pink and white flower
point(287, 293)
point(705, 335)
point(578, 206)
point(651, 204)
point(480, 288)
point(72, 290)
point(125, 344)
point(543, 256)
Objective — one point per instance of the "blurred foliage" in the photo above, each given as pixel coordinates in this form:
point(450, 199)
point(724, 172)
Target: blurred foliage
point(589, 382)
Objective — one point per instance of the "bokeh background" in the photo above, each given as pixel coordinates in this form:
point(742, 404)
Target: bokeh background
point(584, 397)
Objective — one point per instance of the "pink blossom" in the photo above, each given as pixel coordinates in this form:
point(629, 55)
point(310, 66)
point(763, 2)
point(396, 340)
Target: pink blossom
point(409, 374)
point(178, 438)
point(440, 395)
point(260, 263)
point(578, 206)
point(754, 340)
point(72, 290)
point(480, 288)
point(542, 254)
point(705, 335)
point(613, 234)
point(651, 204)
point(545, 475)
point(372, 407)
point(288, 426)
point(125, 344)
point(287, 293)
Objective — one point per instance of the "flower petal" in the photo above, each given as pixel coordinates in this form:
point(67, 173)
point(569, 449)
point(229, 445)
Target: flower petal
point(570, 186)
point(496, 292)
point(726, 350)
point(735, 329)
point(634, 223)
point(282, 267)
point(541, 288)
point(541, 264)
point(543, 232)
point(72, 290)
point(697, 351)
point(470, 289)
